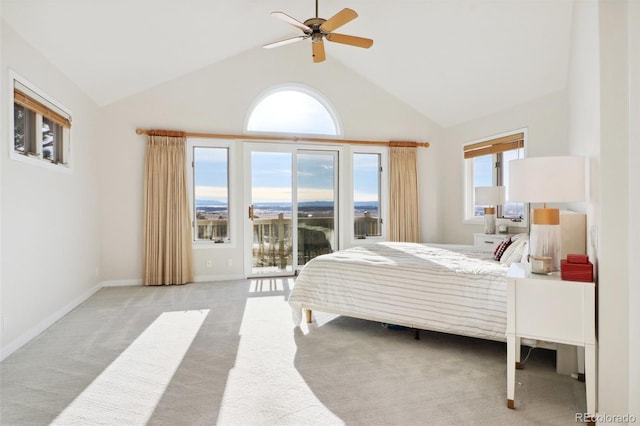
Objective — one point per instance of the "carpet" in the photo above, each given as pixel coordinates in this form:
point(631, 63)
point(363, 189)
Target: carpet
point(227, 353)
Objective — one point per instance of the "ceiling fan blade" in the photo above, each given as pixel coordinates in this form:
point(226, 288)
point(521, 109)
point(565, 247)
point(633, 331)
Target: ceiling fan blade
point(292, 21)
point(338, 20)
point(318, 51)
point(283, 42)
point(350, 40)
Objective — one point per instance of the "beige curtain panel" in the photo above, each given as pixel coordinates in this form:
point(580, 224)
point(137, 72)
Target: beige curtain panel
point(167, 249)
point(404, 217)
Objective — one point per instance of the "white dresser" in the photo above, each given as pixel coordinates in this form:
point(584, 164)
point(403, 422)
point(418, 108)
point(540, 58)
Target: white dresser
point(489, 241)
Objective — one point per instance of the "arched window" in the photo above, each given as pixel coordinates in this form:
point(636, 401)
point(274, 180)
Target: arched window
point(293, 109)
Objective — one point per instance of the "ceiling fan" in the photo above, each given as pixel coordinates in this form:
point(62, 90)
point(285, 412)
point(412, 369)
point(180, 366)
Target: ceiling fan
point(318, 29)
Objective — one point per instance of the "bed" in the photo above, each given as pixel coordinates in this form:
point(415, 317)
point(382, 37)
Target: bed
point(447, 288)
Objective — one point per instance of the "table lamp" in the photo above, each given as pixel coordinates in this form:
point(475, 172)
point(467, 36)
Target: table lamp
point(490, 197)
point(546, 180)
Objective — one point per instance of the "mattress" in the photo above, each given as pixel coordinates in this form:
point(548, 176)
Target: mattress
point(448, 288)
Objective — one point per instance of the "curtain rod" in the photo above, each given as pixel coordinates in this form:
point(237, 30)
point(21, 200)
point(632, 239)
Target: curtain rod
point(279, 138)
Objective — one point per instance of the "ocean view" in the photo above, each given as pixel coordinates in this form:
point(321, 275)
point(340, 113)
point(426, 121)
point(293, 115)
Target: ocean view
point(205, 209)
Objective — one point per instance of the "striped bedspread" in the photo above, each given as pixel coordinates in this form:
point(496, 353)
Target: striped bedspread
point(448, 288)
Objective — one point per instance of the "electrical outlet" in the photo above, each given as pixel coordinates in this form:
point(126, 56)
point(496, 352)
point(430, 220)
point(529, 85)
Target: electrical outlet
point(229, 262)
point(209, 263)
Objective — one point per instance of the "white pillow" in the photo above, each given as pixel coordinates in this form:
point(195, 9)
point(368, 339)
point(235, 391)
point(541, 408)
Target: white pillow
point(525, 253)
point(519, 237)
point(513, 253)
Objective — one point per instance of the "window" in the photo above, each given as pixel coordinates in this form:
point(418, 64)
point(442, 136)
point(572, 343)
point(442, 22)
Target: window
point(293, 109)
point(41, 127)
point(367, 173)
point(487, 164)
point(211, 193)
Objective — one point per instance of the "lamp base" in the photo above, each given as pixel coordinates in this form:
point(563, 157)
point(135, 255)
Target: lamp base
point(544, 244)
point(490, 220)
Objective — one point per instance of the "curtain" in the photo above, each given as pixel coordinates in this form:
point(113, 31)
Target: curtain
point(167, 246)
point(404, 218)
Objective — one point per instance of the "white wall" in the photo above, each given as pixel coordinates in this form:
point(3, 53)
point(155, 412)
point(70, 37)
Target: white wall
point(584, 110)
point(50, 220)
point(2, 131)
point(613, 247)
point(634, 207)
point(216, 99)
point(546, 122)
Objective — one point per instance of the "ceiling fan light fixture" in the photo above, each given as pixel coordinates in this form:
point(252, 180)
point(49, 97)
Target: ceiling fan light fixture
point(319, 28)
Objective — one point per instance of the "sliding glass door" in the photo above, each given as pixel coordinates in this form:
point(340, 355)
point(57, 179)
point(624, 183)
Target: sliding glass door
point(292, 207)
point(270, 213)
point(317, 197)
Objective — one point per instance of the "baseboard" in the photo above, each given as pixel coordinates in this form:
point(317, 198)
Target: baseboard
point(197, 279)
point(205, 278)
point(46, 323)
point(121, 283)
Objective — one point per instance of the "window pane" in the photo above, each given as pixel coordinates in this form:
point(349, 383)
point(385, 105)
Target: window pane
point(24, 121)
point(316, 205)
point(482, 176)
point(50, 133)
point(511, 210)
point(18, 127)
point(211, 193)
point(271, 197)
point(291, 111)
point(366, 195)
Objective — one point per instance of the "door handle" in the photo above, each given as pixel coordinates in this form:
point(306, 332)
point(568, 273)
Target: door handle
point(251, 211)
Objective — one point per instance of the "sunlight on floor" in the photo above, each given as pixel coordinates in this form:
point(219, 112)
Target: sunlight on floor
point(263, 285)
point(128, 390)
point(257, 393)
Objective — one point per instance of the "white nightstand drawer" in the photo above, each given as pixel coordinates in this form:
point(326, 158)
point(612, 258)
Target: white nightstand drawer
point(490, 241)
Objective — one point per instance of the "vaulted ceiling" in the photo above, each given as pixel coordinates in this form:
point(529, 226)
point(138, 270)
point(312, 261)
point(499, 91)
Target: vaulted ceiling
point(451, 60)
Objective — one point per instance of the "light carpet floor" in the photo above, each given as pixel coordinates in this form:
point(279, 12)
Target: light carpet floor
point(227, 353)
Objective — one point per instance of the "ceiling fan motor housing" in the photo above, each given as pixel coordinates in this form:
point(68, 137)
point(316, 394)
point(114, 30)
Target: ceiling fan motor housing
point(316, 33)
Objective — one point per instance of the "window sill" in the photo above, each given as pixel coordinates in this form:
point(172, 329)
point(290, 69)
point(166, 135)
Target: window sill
point(37, 161)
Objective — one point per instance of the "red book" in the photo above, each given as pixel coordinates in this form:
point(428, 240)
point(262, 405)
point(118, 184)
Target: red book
point(576, 271)
point(577, 258)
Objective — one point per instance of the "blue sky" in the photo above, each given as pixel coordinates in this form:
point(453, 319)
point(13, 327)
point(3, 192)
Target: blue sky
point(291, 111)
point(483, 170)
point(271, 176)
point(211, 177)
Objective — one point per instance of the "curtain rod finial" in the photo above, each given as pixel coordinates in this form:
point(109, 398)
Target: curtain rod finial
point(140, 131)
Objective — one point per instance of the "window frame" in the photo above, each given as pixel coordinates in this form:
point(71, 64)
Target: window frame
point(468, 181)
point(383, 189)
point(233, 232)
point(61, 113)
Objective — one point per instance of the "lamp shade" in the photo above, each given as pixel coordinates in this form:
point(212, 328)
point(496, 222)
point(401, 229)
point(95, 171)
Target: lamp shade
point(489, 195)
point(547, 179)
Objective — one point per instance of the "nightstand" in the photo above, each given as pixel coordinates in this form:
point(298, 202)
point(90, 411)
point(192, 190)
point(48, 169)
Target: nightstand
point(547, 308)
point(489, 241)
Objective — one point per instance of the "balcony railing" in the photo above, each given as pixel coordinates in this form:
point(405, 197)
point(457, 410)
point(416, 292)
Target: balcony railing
point(272, 242)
